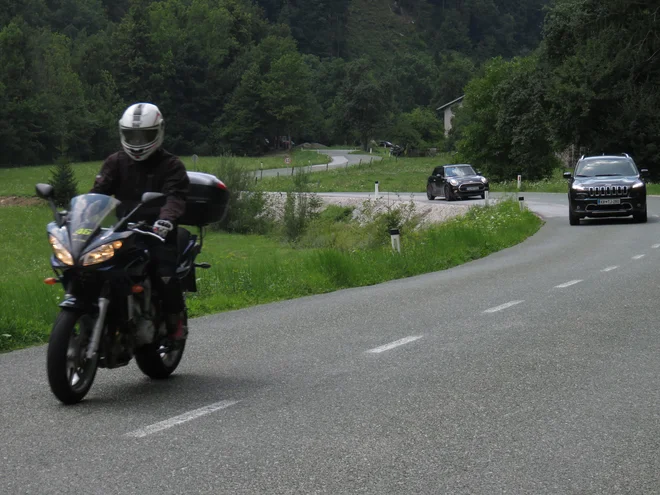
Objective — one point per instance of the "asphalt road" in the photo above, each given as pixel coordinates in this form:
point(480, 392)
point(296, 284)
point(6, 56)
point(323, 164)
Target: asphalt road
point(535, 370)
point(339, 159)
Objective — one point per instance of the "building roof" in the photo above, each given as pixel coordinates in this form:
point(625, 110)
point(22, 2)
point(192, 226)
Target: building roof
point(450, 103)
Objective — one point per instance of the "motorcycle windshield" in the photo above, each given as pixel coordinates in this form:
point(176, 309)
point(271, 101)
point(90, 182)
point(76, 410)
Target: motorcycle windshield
point(87, 214)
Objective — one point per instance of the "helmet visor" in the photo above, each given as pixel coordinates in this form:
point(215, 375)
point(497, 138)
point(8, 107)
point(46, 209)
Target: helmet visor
point(139, 137)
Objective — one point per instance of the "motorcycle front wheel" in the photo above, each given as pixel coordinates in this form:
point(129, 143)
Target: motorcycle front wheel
point(70, 373)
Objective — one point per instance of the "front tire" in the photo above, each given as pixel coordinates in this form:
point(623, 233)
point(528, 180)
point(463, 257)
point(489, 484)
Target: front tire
point(573, 219)
point(70, 373)
point(448, 195)
point(641, 217)
point(430, 196)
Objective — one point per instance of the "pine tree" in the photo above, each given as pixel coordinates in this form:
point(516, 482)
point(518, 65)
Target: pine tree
point(63, 180)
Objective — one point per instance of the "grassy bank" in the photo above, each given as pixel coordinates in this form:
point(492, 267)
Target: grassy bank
point(20, 181)
point(250, 270)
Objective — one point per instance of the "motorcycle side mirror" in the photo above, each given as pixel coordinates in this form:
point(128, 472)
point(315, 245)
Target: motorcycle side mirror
point(45, 191)
point(153, 199)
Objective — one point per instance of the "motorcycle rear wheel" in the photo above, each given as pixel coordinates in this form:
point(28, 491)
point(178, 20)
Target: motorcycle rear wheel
point(158, 360)
point(70, 373)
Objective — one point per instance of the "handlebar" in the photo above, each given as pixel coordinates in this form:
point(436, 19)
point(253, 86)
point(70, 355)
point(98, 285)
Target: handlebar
point(141, 228)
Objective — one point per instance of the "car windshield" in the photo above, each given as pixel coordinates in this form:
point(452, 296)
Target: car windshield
point(459, 171)
point(606, 167)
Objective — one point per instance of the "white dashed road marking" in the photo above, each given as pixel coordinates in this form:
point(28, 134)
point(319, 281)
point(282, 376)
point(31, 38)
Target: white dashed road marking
point(609, 268)
point(183, 418)
point(567, 284)
point(502, 306)
point(394, 344)
point(655, 246)
point(638, 257)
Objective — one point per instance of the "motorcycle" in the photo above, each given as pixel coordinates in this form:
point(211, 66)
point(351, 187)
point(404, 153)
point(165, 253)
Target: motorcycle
point(111, 311)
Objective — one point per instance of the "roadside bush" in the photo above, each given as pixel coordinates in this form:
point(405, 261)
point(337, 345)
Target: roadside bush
point(248, 205)
point(300, 207)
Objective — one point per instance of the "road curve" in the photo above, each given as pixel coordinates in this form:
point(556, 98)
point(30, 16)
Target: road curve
point(534, 370)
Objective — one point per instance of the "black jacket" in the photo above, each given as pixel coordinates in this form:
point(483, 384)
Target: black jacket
point(127, 180)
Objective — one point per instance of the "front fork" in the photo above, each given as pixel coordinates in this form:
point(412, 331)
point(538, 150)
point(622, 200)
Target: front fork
point(104, 303)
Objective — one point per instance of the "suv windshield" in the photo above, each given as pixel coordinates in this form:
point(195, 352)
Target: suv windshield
point(606, 167)
point(459, 171)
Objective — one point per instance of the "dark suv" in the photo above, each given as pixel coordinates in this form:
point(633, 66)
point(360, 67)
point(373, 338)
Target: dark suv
point(455, 182)
point(606, 186)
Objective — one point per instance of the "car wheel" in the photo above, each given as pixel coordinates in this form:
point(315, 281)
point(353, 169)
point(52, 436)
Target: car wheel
point(448, 195)
point(641, 217)
point(429, 189)
point(573, 219)
point(483, 195)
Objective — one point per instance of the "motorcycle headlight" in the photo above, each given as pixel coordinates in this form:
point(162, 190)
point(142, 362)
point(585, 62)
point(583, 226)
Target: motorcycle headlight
point(60, 251)
point(637, 185)
point(101, 253)
point(453, 182)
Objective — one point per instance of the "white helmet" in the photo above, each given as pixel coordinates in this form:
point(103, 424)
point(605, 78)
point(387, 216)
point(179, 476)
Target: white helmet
point(142, 130)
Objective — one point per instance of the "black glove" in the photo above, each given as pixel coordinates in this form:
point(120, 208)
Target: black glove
point(162, 228)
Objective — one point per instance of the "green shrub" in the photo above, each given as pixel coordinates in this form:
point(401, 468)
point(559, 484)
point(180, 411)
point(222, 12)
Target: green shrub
point(63, 180)
point(248, 206)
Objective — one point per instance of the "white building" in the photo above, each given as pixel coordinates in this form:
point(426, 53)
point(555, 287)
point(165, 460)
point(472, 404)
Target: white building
point(449, 112)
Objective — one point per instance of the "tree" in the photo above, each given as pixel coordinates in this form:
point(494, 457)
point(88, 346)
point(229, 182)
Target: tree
point(506, 131)
point(364, 100)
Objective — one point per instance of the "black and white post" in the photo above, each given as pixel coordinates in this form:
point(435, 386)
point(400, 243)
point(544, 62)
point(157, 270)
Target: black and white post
point(396, 240)
point(376, 190)
point(521, 202)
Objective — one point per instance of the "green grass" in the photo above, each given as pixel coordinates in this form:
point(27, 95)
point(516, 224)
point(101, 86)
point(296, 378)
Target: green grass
point(393, 174)
point(249, 270)
point(20, 181)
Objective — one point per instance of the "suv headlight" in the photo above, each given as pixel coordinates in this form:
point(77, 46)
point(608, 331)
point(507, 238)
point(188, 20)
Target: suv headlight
point(637, 185)
point(578, 187)
point(484, 180)
point(101, 253)
point(453, 182)
point(60, 251)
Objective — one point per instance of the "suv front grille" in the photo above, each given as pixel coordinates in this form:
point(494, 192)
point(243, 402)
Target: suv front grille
point(608, 191)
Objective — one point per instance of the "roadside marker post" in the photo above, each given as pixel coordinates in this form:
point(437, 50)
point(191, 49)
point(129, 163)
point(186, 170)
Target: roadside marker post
point(376, 192)
point(521, 202)
point(396, 240)
point(519, 181)
point(487, 198)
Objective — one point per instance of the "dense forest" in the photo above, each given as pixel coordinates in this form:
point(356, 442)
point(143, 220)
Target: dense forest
point(592, 86)
point(232, 75)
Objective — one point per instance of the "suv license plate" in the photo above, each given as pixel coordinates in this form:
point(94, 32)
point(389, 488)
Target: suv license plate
point(472, 188)
point(609, 201)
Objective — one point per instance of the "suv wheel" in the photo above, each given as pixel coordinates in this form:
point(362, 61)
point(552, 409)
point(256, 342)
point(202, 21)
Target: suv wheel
point(573, 219)
point(429, 190)
point(641, 217)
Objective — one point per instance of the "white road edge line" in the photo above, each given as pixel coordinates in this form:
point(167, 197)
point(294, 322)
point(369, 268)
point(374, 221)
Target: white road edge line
point(655, 246)
point(610, 268)
point(502, 306)
point(182, 418)
point(394, 344)
point(638, 256)
point(568, 284)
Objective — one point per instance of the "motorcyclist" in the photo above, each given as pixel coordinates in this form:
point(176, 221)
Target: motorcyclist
point(144, 166)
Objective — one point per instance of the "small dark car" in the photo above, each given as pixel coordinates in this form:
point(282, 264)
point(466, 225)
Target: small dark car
point(606, 186)
point(456, 182)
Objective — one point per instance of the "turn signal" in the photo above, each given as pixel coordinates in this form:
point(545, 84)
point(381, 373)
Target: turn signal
point(50, 281)
point(137, 289)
